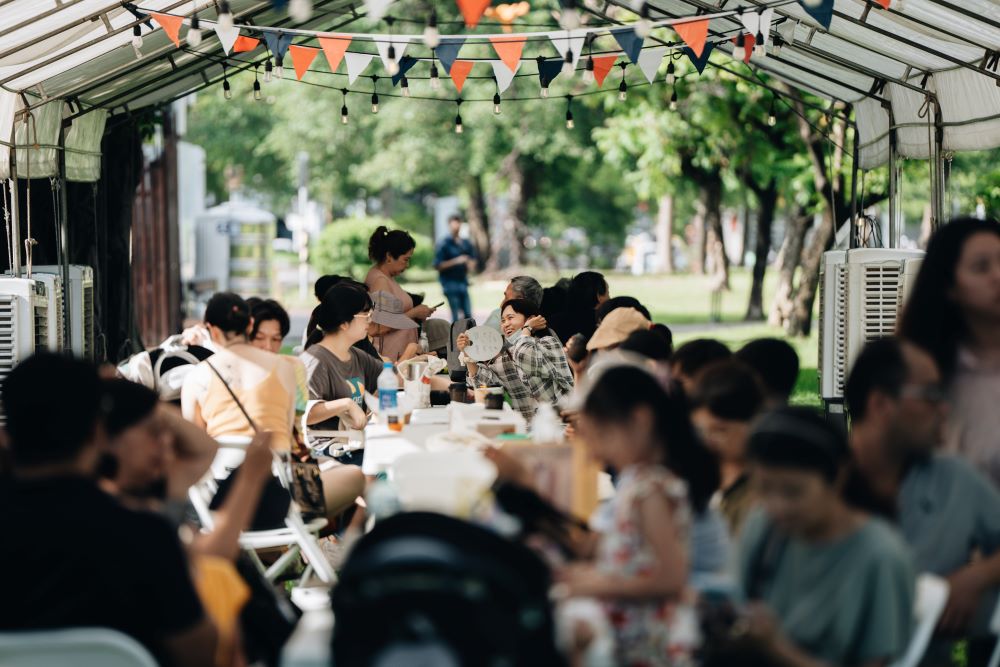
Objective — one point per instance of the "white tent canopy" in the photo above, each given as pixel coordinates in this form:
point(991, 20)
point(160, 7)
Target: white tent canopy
point(887, 63)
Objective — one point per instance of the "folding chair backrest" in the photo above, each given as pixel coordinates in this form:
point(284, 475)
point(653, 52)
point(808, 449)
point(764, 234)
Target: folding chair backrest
point(932, 594)
point(232, 451)
point(80, 647)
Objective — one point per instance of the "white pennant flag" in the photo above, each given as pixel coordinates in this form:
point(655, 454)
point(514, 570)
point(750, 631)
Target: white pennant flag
point(766, 17)
point(503, 74)
point(649, 61)
point(754, 23)
point(356, 64)
point(376, 8)
point(227, 37)
point(787, 31)
point(569, 40)
point(399, 45)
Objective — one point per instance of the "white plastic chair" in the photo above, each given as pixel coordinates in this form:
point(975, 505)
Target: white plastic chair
point(80, 647)
point(932, 595)
point(298, 536)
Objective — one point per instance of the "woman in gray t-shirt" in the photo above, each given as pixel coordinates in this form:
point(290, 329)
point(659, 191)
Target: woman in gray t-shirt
point(825, 583)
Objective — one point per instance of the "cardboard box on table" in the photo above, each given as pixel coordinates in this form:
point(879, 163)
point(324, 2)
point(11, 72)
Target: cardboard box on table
point(563, 473)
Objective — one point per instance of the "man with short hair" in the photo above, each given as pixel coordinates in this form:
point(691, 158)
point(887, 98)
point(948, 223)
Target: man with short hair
point(520, 287)
point(453, 259)
point(74, 556)
point(948, 512)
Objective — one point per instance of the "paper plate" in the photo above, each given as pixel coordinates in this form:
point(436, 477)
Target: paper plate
point(484, 343)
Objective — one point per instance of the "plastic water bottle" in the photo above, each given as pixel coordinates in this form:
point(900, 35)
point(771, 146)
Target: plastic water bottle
point(388, 397)
point(424, 344)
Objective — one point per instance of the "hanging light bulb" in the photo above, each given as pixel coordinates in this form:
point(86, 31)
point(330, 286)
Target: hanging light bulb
point(343, 114)
point(568, 69)
point(759, 49)
point(776, 43)
point(496, 103)
point(194, 32)
point(673, 100)
point(772, 120)
point(431, 35)
point(569, 114)
point(300, 10)
point(374, 102)
point(268, 68)
point(227, 90)
point(435, 81)
point(404, 85)
point(545, 89)
point(279, 67)
point(622, 91)
point(458, 116)
point(643, 26)
point(671, 77)
point(256, 86)
point(136, 36)
point(392, 67)
point(225, 16)
point(588, 71)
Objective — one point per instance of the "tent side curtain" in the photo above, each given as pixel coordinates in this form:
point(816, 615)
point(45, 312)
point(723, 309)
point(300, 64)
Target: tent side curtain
point(873, 133)
point(41, 129)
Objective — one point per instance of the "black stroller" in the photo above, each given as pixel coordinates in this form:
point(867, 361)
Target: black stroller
point(427, 589)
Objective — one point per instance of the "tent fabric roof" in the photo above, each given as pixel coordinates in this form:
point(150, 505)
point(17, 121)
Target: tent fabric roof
point(882, 61)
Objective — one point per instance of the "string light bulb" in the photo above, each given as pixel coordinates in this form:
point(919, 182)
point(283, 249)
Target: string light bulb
point(568, 69)
point(458, 116)
point(137, 41)
point(569, 112)
point(622, 87)
point(194, 31)
point(671, 77)
point(268, 68)
point(227, 90)
point(431, 35)
point(588, 71)
point(392, 67)
point(375, 94)
point(343, 108)
point(279, 66)
point(225, 16)
point(545, 89)
point(759, 49)
point(496, 103)
point(673, 100)
point(772, 120)
point(643, 26)
point(435, 80)
point(300, 10)
point(256, 86)
point(776, 43)
point(404, 85)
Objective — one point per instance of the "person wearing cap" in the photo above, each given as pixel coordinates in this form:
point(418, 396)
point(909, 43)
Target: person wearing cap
point(531, 367)
point(616, 327)
point(391, 251)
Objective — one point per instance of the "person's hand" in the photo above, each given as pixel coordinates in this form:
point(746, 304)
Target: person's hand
point(462, 342)
point(421, 312)
point(355, 417)
point(410, 351)
point(966, 587)
point(259, 458)
point(761, 625)
point(580, 580)
point(508, 467)
point(537, 323)
point(196, 335)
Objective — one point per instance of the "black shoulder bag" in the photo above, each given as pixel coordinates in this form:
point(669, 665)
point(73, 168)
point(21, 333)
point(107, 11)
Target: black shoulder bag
point(304, 484)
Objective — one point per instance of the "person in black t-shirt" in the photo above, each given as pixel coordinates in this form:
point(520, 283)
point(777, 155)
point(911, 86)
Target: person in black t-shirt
point(76, 557)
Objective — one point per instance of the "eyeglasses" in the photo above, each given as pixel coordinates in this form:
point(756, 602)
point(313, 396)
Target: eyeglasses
point(930, 393)
point(366, 315)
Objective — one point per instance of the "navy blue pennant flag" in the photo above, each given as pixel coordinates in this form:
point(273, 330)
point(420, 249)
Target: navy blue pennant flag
point(447, 52)
point(699, 63)
point(278, 43)
point(630, 42)
point(548, 70)
point(823, 13)
point(406, 63)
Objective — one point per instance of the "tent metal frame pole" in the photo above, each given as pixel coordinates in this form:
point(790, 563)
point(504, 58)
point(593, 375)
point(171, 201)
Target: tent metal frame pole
point(893, 187)
point(856, 150)
point(15, 213)
point(62, 238)
point(939, 214)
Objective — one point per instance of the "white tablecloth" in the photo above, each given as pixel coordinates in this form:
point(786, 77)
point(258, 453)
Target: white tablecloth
point(309, 645)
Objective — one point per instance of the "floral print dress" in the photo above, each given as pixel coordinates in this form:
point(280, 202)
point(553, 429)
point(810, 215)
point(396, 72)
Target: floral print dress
point(643, 628)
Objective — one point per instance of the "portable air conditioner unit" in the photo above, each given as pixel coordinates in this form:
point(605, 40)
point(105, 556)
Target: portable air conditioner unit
point(53, 287)
point(80, 294)
point(24, 321)
point(862, 293)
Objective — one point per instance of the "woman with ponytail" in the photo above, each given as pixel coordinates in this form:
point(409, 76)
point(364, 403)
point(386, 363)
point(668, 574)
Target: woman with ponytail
point(390, 252)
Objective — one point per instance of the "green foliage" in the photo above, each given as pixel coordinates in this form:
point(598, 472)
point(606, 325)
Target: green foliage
point(342, 247)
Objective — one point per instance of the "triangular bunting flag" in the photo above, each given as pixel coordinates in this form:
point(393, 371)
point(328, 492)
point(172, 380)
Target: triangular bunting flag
point(356, 64)
point(766, 17)
point(227, 37)
point(748, 43)
point(376, 8)
point(509, 49)
point(245, 44)
point(459, 71)
point(171, 25)
point(699, 61)
point(569, 40)
point(302, 58)
point(649, 61)
point(334, 48)
point(787, 31)
point(822, 13)
point(406, 63)
point(631, 43)
point(398, 44)
point(694, 34)
point(504, 74)
point(278, 43)
point(603, 65)
point(447, 51)
point(548, 70)
point(883, 3)
point(472, 10)
point(750, 21)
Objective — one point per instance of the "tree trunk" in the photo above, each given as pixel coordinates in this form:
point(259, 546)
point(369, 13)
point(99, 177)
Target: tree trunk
point(767, 201)
point(517, 202)
point(711, 198)
point(800, 322)
point(742, 259)
point(791, 250)
point(478, 219)
point(665, 233)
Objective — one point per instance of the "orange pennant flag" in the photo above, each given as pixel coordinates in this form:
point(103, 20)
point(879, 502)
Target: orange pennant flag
point(884, 3)
point(171, 25)
point(244, 44)
point(603, 65)
point(302, 57)
point(509, 49)
point(694, 34)
point(334, 49)
point(472, 10)
point(459, 71)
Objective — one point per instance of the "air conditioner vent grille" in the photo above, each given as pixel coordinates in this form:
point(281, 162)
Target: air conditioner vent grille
point(881, 300)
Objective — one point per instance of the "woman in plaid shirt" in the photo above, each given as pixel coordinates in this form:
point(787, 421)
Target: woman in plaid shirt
point(532, 366)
